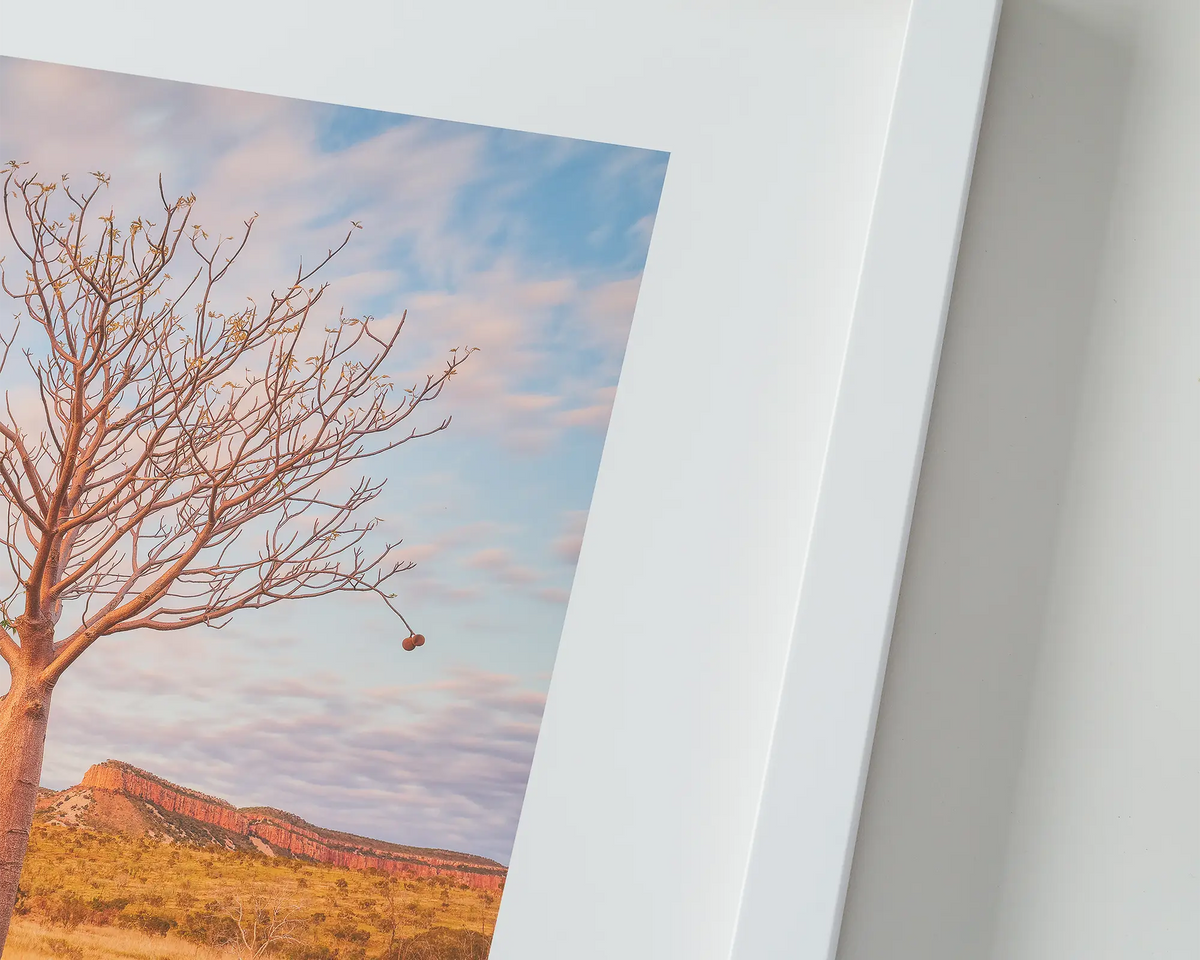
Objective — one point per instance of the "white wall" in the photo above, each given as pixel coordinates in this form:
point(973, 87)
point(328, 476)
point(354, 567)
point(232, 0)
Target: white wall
point(1033, 791)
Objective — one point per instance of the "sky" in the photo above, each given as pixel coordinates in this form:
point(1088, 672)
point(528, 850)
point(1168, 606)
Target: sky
point(526, 246)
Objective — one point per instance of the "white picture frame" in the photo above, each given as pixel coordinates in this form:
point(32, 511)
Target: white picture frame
point(699, 772)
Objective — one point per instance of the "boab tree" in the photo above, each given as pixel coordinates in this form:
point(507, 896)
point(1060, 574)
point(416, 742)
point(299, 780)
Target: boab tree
point(185, 463)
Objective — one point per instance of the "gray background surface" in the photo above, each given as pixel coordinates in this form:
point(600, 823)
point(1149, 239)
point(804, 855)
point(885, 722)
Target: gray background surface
point(1033, 786)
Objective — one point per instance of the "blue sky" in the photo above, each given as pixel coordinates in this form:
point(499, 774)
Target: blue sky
point(529, 247)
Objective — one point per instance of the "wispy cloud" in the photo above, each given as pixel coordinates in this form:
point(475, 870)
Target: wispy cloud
point(500, 564)
point(569, 542)
point(439, 764)
point(529, 248)
point(459, 278)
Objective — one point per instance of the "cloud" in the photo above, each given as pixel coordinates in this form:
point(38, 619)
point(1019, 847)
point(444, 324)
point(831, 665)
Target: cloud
point(607, 310)
point(594, 415)
point(419, 552)
point(245, 154)
point(440, 558)
point(503, 569)
point(569, 542)
point(431, 588)
point(457, 232)
point(438, 764)
point(499, 562)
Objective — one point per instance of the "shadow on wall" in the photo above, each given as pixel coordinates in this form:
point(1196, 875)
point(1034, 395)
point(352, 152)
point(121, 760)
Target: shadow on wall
point(933, 833)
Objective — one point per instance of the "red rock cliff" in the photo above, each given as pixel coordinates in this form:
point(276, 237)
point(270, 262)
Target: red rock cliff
point(290, 836)
point(122, 778)
point(301, 842)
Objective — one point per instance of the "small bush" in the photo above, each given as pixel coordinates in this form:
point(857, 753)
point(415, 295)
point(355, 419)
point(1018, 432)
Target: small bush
point(349, 932)
point(69, 910)
point(207, 927)
point(153, 924)
point(441, 943)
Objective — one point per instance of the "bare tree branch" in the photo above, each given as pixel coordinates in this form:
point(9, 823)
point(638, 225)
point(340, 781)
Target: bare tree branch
point(8, 647)
point(263, 925)
point(173, 435)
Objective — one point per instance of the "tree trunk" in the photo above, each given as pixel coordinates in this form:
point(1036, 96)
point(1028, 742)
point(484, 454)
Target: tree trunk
point(24, 714)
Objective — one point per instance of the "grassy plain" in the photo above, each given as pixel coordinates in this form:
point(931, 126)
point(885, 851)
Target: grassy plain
point(87, 895)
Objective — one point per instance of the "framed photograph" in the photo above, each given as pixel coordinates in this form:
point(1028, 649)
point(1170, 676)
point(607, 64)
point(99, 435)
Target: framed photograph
point(456, 463)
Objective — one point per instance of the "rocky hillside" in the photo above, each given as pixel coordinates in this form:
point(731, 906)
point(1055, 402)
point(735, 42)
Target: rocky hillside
point(118, 798)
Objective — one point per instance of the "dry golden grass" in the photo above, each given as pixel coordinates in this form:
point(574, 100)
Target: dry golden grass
point(87, 895)
point(30, 940)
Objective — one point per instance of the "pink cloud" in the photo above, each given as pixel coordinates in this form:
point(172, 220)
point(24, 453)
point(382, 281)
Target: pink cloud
point(500, 564)
point(443, 763)
point(419, 552)
point(401, 184)
point(569, 542)
point(592, 416)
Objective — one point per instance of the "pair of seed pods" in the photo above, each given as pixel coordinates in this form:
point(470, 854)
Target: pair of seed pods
point(411, 643)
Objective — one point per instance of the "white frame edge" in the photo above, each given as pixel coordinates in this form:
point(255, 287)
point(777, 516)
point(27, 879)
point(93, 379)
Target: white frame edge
point(812, 795)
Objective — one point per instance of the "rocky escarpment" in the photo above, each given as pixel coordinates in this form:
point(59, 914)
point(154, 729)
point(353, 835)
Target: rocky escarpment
point(291, 835)
point(174, 813)
point(123, 778)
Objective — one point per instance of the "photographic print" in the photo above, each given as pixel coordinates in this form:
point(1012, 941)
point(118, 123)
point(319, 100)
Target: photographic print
point(303, 406)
